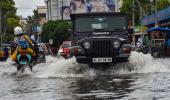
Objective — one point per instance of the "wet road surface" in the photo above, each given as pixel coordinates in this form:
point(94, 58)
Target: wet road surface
point(142, 78)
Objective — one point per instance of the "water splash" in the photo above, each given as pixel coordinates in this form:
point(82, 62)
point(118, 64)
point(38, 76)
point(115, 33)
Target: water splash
point(62, 68)
point(58, 68)
point(26, 73)
point(145, 63)
point(51, 59)
point(6, 68)
point(138, 63)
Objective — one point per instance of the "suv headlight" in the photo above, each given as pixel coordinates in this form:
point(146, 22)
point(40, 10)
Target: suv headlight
point(116, 44)
point(87, 45)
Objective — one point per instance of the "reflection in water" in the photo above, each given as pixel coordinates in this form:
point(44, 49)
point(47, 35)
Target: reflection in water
point(102, 87)
point(39, 89)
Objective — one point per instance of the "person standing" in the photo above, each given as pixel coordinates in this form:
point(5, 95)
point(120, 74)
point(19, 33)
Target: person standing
point(6, 53)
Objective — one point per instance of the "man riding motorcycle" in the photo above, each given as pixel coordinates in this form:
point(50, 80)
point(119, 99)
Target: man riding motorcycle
point(23, 43)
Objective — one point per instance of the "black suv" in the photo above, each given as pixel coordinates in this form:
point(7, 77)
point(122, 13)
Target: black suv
point(100, 37)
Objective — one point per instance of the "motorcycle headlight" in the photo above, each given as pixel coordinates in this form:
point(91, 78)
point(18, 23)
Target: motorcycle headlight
point(87, 45)
point(116, 44)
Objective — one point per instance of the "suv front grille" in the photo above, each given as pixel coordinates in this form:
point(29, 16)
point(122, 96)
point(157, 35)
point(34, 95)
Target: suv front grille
point(101, 48)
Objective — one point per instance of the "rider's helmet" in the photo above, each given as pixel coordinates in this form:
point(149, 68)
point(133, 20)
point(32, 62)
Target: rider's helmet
point(18, 31)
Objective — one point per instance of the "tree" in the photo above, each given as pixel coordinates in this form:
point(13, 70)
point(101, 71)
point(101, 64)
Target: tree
point(61, 32)
point(162, 4)
point(12, 23)
point(7, 38)
point(32, 21)
point(56, 30)
point(7, 5)
point(9, 18)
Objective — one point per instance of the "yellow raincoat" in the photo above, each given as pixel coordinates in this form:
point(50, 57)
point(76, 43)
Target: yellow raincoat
point(23, 51)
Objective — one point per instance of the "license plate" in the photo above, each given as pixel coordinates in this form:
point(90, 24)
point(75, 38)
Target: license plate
point(101, 60)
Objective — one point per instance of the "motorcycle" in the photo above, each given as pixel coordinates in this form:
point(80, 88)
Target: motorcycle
point(24, 61)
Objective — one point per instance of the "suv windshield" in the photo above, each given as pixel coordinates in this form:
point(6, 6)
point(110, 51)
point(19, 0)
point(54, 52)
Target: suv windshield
point(100, 23)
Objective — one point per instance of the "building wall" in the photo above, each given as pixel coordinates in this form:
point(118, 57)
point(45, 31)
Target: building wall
point(42, 10)
point(118, 4)
point(53, 8)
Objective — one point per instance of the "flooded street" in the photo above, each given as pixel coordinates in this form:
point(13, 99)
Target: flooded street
point(142, 78)
point(90, 49)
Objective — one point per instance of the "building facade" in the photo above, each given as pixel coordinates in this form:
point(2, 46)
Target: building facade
point(41, 10)
point(53, 8)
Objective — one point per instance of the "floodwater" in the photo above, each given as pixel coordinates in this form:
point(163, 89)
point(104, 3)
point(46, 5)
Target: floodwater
point(142, 78)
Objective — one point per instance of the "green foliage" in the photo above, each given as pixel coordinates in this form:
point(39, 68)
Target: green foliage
point(147, 8)
point(12, 23)
point(7, 5)
point(9, 18)
point(31, 21)
point(8, 37)
point(56, 30)
point(163, 4)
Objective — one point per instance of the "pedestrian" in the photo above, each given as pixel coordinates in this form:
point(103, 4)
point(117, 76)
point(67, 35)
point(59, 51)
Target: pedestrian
point(6, 53)
point(53, 51)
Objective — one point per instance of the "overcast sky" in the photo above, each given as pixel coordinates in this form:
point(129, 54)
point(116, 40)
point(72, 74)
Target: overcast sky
point(26, 7)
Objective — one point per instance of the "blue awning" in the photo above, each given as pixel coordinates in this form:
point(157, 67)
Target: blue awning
point(159, 29)
point(160, 16)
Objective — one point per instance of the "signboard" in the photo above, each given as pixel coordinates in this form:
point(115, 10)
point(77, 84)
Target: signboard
point(37, 29)
point(86, 6)
point(65, 12)
point(140, 29)
point(50, 41)
point(144, 29)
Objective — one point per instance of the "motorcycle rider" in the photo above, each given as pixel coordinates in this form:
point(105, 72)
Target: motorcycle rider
point(23, 42)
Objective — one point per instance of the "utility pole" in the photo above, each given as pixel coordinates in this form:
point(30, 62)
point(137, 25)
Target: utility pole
point(133, 16)
point(50, 9)
point(0, 22)
point(1, 25)
point(62, 3)
point(155, 11)
point(140, 9)
point(47, 10)
point(156, 14)
point(133, 22)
